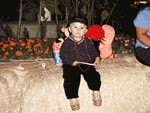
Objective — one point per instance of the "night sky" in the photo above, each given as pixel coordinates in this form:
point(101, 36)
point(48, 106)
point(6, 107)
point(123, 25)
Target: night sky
point(8, 10)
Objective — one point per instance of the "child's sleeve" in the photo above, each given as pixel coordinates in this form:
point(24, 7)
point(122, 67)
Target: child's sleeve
point(65, 54)
point(92, 50)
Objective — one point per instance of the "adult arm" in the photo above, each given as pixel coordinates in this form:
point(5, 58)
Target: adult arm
point(142, 36)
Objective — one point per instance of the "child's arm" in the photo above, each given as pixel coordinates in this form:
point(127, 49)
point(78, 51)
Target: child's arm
point(97, 61)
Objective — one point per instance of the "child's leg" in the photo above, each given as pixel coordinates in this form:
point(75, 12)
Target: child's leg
point(92, 78)
point(71, 81)
point(71, 85)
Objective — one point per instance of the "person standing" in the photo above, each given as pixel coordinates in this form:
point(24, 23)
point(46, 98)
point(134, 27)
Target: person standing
point(142, 44)
point(45, 18)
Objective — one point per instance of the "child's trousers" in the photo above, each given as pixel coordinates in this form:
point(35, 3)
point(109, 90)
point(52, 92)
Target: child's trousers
point(72, 77)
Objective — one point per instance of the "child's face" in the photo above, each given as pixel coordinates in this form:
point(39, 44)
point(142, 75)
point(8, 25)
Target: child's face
point(78, 29)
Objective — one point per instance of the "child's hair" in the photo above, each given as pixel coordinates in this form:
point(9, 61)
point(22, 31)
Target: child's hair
point(78, 19)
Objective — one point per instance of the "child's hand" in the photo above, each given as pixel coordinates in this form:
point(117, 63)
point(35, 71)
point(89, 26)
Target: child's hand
point(97, 62)
point(75, 63)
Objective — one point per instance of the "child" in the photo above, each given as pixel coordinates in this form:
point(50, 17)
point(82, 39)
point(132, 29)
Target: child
point(75, 49)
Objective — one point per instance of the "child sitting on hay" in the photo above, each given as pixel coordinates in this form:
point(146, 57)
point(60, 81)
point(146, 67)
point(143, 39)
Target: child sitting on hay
point(79, 56)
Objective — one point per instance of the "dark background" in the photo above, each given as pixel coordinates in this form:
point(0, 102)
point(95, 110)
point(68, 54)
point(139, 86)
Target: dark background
point(9, 9)
point(123, 13)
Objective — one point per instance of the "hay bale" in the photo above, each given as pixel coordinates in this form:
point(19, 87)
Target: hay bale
point(14, 96)
point(4, 96)
point(125, 89)
point(40, 90)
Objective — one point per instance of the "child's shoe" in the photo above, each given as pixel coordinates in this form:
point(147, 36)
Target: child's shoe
point(74, 103)
point(97, 100)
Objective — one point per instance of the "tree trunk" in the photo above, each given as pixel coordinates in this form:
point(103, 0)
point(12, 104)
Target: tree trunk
point(39, 21)
point(20, 18)
point(56, 17)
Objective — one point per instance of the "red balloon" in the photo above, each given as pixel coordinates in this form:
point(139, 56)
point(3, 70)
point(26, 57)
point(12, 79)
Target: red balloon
point(95, 32)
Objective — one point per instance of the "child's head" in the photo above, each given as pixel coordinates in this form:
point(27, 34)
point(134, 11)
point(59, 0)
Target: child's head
point(78, 27)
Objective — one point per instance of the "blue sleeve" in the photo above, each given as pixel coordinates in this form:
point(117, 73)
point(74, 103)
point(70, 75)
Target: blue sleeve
point(142, 19)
